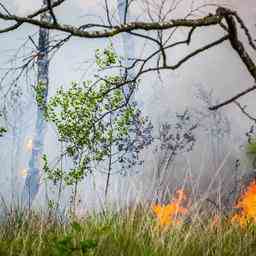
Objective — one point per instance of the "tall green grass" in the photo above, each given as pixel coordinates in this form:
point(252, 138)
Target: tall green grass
point(131, 232)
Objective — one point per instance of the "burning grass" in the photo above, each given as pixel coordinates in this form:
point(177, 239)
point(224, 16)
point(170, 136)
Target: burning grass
point(246, 206)
point(153, 230)
point(132, 232)
point(169, 214)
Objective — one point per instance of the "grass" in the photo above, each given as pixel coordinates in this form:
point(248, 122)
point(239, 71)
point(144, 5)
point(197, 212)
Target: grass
point(132, 232)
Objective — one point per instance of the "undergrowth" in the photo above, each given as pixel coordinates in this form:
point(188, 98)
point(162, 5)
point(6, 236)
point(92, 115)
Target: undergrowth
point(130, 232)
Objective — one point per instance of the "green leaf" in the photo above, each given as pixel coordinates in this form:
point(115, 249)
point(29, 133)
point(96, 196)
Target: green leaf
point(87, 245)
point(76, 226)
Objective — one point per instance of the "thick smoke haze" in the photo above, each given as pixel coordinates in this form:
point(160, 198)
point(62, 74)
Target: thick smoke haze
point(218, 69)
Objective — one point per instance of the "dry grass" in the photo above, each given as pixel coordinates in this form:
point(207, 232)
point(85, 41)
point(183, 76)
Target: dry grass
point(131, 232)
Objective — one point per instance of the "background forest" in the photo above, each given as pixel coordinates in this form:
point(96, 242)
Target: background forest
point(127, 127)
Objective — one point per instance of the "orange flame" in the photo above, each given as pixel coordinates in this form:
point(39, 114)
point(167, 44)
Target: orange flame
point(24, 173)
point(29, 145)
point(215, 221)
point(168, 214)
point(247, 206)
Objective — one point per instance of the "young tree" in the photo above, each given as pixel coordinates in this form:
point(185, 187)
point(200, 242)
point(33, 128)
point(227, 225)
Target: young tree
point(99, 127)
point(175, 139)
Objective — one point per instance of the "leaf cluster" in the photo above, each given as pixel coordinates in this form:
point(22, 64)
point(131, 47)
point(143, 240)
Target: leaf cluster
point(95, 121)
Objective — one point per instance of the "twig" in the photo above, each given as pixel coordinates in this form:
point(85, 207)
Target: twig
point(49, 5)
point(234, 98)
point(242, 108)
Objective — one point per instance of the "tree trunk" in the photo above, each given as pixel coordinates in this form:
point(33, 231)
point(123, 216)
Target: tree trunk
point(31, 186)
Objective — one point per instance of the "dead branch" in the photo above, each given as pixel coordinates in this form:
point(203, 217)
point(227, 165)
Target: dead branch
point(34, 14)
point(94, 31)
point(234, 98)
point(115, 30)
point(242, 108)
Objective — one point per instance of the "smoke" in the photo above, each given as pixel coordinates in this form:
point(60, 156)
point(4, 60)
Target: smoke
point(86, 4)
point(219, 69)
point(26, 7)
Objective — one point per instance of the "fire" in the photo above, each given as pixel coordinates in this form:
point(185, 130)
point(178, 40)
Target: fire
point(29, 144)
point(215, 221)
point(247, 206)
point(168, 214)
point(24, 173)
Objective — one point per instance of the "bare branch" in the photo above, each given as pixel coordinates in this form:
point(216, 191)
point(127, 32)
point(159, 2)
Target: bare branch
point(33, 42)
point(188, 57)
point(246, 30)
point(230, 17)
point(34, 14)
point(45, 9)
point(49, 5)
point(234, 98)
point(113, 31)
point(108, 13)
point(242, 108)
point(239, 48)
point(4, 8)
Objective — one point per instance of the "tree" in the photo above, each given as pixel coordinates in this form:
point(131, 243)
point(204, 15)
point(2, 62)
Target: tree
point(224, 18)
point(32, 181)
point(100, 129)
point(151, 30)
point(175, 139)
point(99, 30)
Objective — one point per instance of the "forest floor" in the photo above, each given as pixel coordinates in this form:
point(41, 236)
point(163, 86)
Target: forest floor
point(150, 231)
